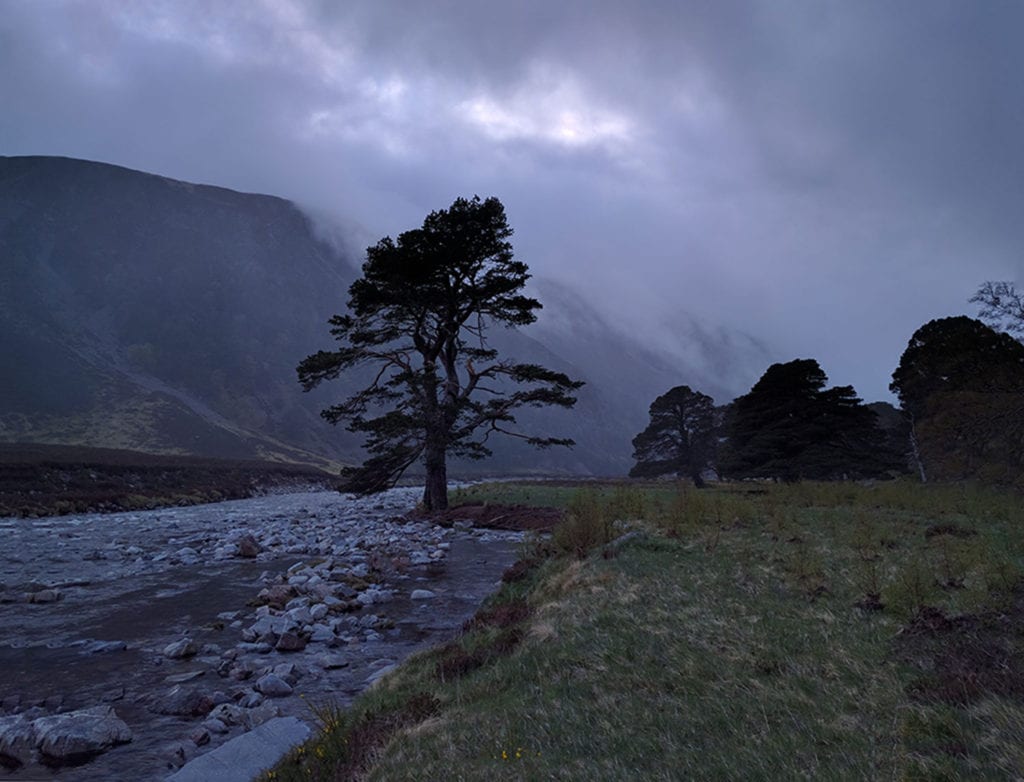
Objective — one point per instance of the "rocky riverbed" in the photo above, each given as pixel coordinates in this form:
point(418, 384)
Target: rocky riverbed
point(130, 643)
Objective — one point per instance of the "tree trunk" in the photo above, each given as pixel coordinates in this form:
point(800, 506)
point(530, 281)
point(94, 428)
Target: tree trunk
point(915, 452)
point(435, 493)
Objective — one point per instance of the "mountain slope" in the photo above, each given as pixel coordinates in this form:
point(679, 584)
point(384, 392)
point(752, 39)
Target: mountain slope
point(144, 313)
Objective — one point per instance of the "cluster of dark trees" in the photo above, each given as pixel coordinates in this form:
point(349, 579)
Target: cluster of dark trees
point(418, 320)
point(789, 426)
point(960, 384)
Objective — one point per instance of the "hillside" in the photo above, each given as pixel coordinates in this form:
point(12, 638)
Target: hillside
point(141, 312)
point(47, 480)
point(144, 313)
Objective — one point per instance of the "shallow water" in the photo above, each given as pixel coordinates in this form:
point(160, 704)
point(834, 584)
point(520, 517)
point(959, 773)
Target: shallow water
point(119, 582)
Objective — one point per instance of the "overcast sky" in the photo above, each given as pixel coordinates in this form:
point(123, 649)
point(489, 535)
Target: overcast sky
point(826, 176)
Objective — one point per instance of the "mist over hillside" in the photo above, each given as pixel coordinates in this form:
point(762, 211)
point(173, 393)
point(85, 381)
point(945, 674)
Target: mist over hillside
point(142, 312)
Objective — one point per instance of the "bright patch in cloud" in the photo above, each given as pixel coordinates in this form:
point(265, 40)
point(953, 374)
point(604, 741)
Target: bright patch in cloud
point(547, 110)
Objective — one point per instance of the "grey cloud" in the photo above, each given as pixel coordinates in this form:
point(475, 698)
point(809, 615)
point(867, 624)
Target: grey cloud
point(825, 176)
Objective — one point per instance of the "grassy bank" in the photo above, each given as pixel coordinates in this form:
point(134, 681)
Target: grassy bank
point(808, 631)
point(47, 480)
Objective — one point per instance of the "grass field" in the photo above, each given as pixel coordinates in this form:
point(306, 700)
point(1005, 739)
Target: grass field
point(810, 631)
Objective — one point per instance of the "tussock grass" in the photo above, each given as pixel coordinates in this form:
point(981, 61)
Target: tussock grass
point(755, 632)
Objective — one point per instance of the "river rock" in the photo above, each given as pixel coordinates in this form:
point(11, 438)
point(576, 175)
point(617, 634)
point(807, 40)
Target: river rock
point(422, 594)
point(248, 547)
point(78, 734)
point(273, 686)
point(104, 647)
point(330, 662)
point(290, 642)
point(260, 647)
point(321, 633)
point(374, 595)
point(226, 714)
point(342, 592)
point(216, 726)
point(177, 754)
point(183, 702)
point(245, 756)
point(276, 596)
point(44, 596)
point(178, 650)
point(259, 715)
point(287, 671)
point(300, 615)
point(17, 740)
point(250, 699)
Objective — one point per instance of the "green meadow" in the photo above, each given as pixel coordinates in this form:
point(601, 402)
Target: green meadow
point(752, 631)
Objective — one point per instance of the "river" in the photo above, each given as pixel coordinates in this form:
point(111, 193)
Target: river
point(114, 590)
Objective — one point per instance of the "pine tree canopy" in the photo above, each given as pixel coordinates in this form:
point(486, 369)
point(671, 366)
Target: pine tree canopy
point(419, 315)
point(956, 354)
point(680, 438)
point(789, 427)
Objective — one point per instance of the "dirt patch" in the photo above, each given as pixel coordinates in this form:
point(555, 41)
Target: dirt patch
point(519, 518)
point(455, 661)
point(871, 601)
point(504, 615)
point(518, 570)
point(374, 731)
point(952, 530)
point(961, 659)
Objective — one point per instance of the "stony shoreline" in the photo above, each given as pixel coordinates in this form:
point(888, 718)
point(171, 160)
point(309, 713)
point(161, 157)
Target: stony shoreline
point(357, 597)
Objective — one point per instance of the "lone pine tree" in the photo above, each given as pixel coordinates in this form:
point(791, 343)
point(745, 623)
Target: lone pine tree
point(419, 315)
